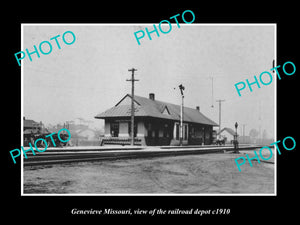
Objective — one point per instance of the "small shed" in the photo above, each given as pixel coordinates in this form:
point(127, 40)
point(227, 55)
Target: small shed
point(227, 133)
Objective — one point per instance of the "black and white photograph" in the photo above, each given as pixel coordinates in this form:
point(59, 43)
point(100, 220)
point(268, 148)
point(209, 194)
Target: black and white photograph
point(119, 113)
point(129, 109)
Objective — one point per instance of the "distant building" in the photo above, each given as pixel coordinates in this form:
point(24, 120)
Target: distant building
point(244, 139)
point(88, 134)
point(32, 129)
point(156, 123)
point(81, 134)
point(227, 133)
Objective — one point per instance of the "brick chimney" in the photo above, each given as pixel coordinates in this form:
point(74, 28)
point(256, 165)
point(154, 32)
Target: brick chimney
point(152, 96)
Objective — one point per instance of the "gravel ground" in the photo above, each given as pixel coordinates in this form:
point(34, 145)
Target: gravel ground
point(188, 174)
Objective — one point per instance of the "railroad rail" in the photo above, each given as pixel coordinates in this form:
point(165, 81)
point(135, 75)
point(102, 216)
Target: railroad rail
point(96, 153)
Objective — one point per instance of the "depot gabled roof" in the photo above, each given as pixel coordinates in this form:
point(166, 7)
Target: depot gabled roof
point(145, 107)
point(229, 130)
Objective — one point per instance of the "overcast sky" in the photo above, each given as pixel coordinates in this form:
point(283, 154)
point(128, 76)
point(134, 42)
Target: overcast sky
point(89, 76)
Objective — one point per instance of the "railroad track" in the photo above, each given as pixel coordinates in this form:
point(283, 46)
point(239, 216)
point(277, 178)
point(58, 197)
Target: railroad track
point(70, 155)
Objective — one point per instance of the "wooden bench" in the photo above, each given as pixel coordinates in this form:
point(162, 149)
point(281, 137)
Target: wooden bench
point(119, 141)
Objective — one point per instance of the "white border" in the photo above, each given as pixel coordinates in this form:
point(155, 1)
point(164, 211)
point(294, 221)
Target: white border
point(22, 112)
point(147, 24)
point(275, 109)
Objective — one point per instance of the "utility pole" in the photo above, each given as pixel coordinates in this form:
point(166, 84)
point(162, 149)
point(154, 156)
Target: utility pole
point(220, 113)
point(181, 87)
point(212, 92)
point(244, 129)
point(132, 103)
point(243, 132)
point(259, 123)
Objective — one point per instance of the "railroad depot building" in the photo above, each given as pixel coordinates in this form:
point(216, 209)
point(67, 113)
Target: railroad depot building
point(155, 123)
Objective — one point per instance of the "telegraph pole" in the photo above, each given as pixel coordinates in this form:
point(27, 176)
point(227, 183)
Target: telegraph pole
point(243, 132)
point(244, 129)
point(132, 103)
point(220, 113)
point(181, 87)
point(259, 120)
point(212, 92)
